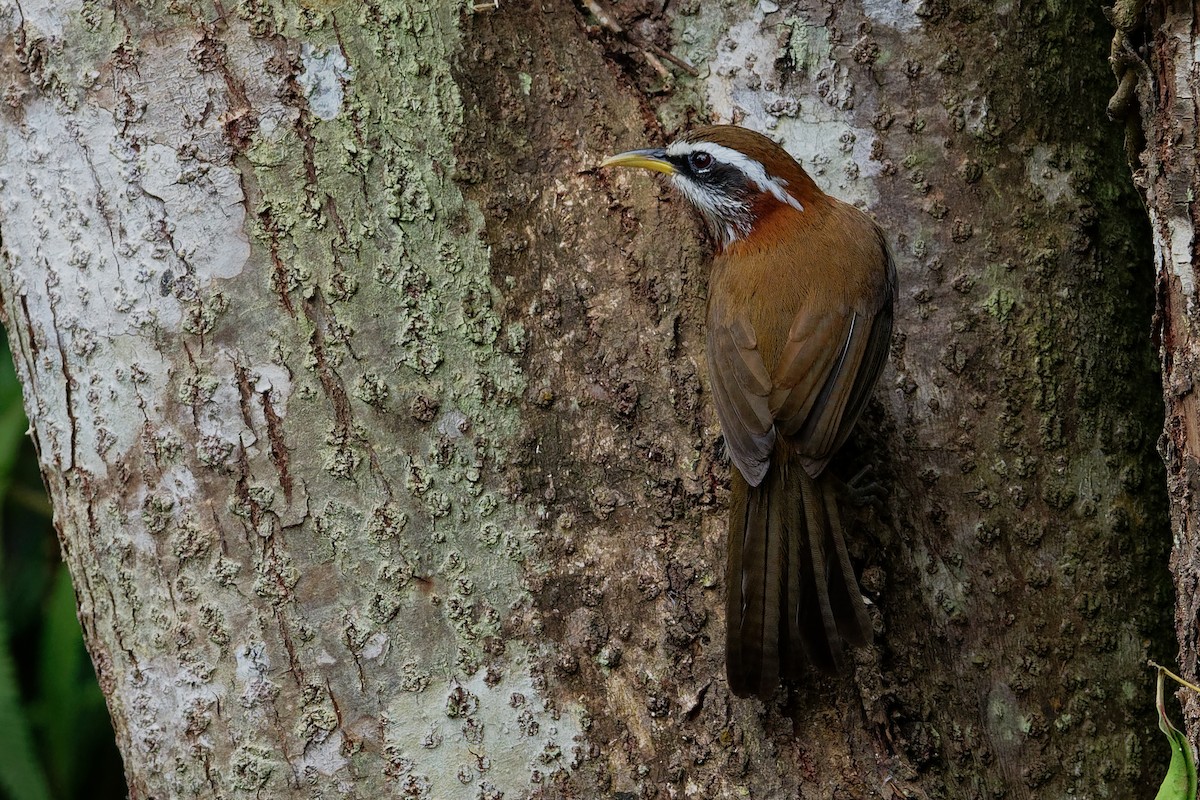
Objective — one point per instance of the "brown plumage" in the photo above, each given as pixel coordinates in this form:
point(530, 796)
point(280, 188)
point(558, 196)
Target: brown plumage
point(799, 321)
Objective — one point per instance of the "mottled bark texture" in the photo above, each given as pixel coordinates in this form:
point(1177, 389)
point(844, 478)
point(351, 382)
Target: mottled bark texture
point(376, 425)
point(274, 398)
point(1154, 55)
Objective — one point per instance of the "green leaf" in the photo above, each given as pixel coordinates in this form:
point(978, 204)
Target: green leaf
point(12, 418)
point(62, 670)
point(1180, 783)
point(21, 776)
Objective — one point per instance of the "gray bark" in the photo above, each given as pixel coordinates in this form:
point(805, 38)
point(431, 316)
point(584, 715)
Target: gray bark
point(377, 431)
point(268, 387)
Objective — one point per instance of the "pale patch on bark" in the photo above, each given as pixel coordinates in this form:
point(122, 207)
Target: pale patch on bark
point(436, 736)
point(744, 85)
point(49, 16)
point(122, 243)
point(324, 73)
point(324, 758)
point(899, 14)
point(1054, 182)
point(1182, 235)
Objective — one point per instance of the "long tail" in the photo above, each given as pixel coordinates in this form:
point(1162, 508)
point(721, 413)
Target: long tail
point(791, 595)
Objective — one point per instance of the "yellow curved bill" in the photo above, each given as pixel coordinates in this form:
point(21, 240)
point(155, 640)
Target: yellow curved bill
point(653, 159)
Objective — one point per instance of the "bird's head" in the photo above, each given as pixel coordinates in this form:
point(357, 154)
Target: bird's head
point(734, 176)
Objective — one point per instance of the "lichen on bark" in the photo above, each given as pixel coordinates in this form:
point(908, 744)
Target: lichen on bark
point(273, 396)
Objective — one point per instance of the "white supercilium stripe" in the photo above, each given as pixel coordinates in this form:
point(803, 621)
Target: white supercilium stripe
point(752, 169)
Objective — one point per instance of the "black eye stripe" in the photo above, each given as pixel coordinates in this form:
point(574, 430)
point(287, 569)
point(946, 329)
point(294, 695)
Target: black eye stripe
point(722, 180)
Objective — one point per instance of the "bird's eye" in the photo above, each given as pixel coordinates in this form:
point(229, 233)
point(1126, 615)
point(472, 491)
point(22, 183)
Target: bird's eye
point(700, 160)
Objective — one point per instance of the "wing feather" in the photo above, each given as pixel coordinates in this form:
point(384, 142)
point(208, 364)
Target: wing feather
point(849, 386)
point(805, 368)
point(809, 387)
point(741, 402)
point(823, 425)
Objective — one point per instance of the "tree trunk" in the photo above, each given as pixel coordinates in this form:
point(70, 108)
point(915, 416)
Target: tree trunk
point(378, 435)
point(1154, 55)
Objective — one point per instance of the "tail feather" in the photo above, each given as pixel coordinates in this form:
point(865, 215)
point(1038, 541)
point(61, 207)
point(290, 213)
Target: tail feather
point(823, 644)
point(753, 579)
point(853, 622)
point(795, 658)
point(736, 665)
point(773, 588)
point(791, 597)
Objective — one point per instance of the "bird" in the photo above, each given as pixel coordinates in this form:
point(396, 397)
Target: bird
point(798, 328)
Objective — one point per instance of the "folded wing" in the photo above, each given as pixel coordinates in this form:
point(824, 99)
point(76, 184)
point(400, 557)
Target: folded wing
point(819, 386)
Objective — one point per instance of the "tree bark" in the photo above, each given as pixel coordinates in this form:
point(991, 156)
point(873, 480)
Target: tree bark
point(1154, 56)
point(376, 425)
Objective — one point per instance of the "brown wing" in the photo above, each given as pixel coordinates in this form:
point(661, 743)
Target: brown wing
point(824, 375)
point(741, 385)
point(846, 386)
